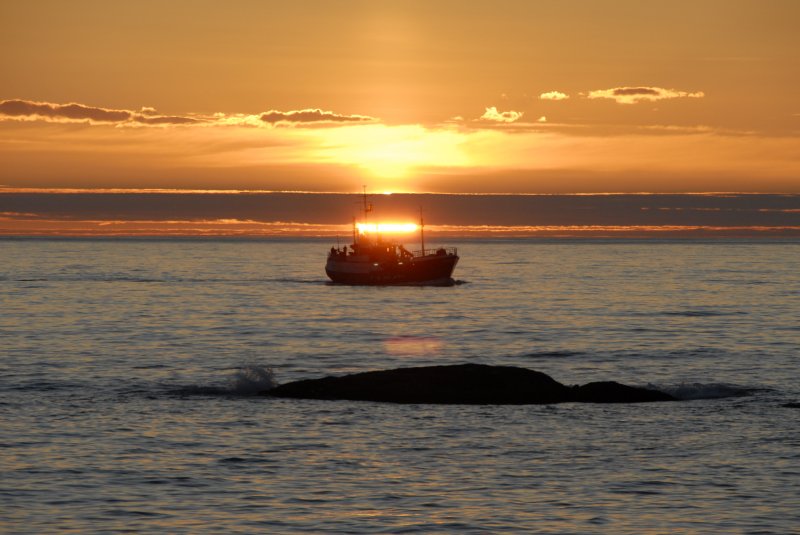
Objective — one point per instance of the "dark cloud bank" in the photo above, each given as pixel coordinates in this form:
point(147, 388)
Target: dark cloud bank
point(738, 210)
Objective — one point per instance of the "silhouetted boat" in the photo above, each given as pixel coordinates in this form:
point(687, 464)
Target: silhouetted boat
point(377, 261)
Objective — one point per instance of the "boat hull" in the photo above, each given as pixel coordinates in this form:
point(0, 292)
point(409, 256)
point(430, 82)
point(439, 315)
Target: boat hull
point(427, 270)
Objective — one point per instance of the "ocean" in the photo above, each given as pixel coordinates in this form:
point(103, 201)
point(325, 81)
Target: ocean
point(130, 371)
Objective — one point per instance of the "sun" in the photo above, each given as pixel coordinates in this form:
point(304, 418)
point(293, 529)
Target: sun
point(396, 152)
point(386, 228)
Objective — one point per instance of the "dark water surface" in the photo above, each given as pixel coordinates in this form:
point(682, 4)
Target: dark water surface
point(128, 367)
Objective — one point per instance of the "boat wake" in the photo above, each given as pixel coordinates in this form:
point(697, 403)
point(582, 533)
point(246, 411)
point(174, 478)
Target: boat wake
point(441, 283)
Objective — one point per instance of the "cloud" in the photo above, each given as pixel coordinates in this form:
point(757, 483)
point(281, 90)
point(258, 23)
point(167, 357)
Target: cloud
point(632, 95)
point(696, 129)
point(28, 110)
point(72, 111)
point(166, 119)
point(492, 114)
point(553, 95)
point(312, 115)
point(10, 216)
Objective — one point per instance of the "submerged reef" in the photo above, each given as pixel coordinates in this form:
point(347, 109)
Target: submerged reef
point(473, 384)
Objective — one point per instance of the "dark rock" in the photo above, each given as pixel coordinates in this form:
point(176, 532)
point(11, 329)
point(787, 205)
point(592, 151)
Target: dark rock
point(463, 384)
point(792, 405)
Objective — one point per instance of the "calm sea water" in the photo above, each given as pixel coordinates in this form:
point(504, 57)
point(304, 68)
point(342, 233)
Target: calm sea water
point(128, 369)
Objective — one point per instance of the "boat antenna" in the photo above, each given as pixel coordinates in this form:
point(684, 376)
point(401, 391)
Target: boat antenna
point(422, 231)
point(367, 206)
point(367, 209)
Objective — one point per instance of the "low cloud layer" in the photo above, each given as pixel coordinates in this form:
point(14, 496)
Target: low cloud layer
point(28, 110)
point(553, 95)
point(492, 114)
point(73, 112)
point(312, 115)
point(633, 95)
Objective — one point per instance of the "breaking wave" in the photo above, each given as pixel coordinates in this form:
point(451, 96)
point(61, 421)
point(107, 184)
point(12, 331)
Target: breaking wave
point(248, 380)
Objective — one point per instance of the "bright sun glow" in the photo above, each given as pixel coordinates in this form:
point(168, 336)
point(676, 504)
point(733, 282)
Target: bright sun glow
point(394, 152)
point(383, 228)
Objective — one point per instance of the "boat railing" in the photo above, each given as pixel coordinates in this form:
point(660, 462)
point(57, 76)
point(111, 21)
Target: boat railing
point(436, 251)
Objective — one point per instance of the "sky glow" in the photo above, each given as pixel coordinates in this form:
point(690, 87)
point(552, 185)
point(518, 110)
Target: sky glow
point(405, 96)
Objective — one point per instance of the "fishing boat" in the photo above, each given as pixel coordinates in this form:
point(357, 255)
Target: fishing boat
point(374, 259)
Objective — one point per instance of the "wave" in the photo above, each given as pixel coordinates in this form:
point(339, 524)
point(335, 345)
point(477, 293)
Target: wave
point(692, 391)
point(688, 313)
point(297, 281)
point(251, 379)
point(163, 280)
point(552, 354)
point(95, 278)
point(703, 313)
point(46, 386)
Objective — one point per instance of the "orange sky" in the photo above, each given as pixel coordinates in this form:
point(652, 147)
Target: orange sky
point(500, 96)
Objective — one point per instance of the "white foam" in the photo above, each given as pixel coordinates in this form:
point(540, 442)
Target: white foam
point(251, 380)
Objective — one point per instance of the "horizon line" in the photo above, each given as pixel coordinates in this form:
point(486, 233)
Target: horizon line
point(239, 191)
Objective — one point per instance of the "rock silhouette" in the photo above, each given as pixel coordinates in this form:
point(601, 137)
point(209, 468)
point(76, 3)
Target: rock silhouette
point(474, 384)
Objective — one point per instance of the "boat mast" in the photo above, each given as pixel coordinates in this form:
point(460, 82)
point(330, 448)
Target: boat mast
point(422, 231)
point(367, 207)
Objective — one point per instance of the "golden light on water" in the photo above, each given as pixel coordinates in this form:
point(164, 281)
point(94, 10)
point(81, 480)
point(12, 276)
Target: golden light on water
point(385, 228)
